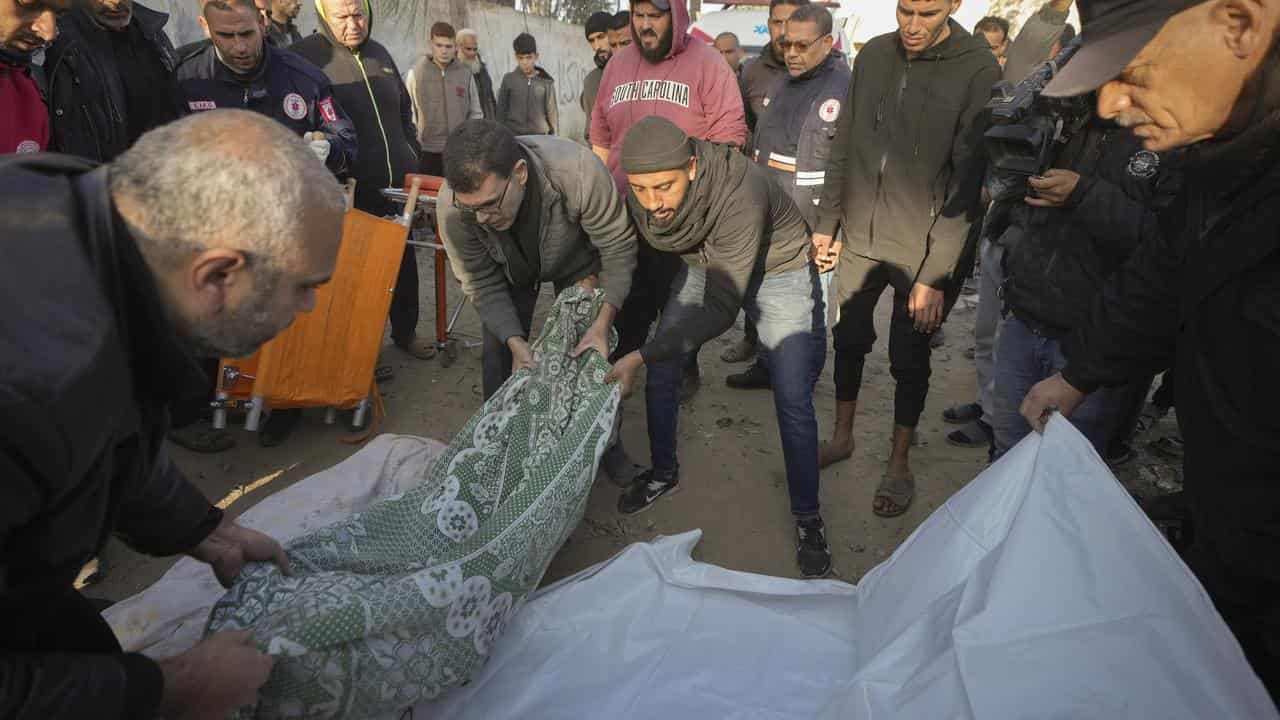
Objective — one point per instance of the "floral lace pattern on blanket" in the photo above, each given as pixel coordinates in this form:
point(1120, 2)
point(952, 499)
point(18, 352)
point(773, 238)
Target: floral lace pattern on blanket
point(402, 601)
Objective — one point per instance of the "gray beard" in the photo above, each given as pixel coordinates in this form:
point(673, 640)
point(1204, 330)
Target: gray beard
point(472, 65)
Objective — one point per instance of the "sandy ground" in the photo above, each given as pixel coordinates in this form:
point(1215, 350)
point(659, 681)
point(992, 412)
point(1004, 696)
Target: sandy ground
point(733, 485)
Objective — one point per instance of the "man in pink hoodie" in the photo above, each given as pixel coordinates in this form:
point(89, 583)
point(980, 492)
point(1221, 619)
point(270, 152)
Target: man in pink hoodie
point(662, 73)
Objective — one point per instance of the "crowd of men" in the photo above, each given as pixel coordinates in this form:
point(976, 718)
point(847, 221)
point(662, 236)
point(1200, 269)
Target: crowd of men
point(800, 189)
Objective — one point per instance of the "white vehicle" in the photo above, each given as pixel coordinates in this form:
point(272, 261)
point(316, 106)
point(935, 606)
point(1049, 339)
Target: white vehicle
point(749, 20)
point(857, 21)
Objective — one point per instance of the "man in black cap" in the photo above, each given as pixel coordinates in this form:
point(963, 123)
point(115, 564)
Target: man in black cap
point(1205, 289)
point(598, 38)
point(744, 244)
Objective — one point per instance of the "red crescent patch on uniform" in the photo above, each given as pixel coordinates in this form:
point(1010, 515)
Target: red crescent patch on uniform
point(327, 111)
point(830, 110)
point(294, 106)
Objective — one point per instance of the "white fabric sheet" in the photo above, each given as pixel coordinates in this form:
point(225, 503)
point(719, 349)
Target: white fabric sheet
point(1038, 591)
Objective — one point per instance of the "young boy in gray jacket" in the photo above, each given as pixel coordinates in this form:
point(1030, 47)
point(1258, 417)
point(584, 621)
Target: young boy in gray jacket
point(527, 98)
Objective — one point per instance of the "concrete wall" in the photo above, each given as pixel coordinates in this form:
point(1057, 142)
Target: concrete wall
point(562, 47)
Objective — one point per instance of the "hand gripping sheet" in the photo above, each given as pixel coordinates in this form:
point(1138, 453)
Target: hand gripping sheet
point(405, 599)
point(1038, 591)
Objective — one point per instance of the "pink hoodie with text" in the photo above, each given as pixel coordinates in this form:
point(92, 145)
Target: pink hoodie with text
point(692, 87)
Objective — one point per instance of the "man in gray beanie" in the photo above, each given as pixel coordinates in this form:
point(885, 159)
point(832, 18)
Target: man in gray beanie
point(744, 245)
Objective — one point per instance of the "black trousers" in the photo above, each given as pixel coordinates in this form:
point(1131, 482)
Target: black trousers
point(496, 356)
point(1233, 494)
point(650, 289)
point(431, 163)
point(404, 301)
point(862, 281)
point(189, 409)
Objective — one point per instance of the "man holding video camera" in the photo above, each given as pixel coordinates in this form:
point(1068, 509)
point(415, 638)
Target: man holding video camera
point(1073, 196)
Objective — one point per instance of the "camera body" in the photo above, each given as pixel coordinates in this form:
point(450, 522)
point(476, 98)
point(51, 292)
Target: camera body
point(1027, 128)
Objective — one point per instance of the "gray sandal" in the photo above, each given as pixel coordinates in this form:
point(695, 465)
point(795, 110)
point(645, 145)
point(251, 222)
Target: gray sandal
point(894, 495)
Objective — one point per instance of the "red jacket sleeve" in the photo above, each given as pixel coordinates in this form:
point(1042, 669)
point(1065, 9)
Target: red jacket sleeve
point(722, 100)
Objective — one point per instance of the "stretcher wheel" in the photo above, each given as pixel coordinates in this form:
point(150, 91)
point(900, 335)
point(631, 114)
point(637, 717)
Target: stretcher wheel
point(450, 354)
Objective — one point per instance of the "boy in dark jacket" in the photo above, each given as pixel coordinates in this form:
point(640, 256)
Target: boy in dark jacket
point(527, 98)
point(903, 182)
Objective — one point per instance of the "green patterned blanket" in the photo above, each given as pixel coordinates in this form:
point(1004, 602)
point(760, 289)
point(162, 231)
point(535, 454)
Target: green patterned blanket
point(405, 600)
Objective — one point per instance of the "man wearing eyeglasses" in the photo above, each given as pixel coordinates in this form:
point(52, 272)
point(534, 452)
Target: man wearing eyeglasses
point(794, 133)
point(516, 212)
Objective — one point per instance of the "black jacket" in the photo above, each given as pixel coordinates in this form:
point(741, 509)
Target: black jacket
point(88, 108)
point(794, 134)
point(282, 35)
point(755, 80)
point(90, 365)
point(285, 88)
point(489, 101)
point(371, 90)
point(1205, 289)
point(1063, 255)
point(906, 167)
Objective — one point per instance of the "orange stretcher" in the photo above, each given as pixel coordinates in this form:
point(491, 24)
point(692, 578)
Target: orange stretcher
point(327, 357)
point(446, 342)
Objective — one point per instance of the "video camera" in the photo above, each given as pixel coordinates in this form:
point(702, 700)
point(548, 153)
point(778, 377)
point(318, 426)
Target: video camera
point(1027, 127)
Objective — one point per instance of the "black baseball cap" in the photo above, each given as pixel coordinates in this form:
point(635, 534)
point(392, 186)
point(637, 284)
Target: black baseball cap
point(663, 5)
point(1112, 33)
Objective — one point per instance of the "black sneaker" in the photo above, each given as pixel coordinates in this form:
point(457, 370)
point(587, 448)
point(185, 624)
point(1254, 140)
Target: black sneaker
point(812, 552)
point(753, 378)
point(645, 491)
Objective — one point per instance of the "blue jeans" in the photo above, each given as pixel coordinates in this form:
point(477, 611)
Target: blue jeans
point(749, 327)
point(789, 314)
point(1024, 358)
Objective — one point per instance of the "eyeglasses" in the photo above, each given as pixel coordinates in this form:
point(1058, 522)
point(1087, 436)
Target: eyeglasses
point(801, 47)
point(488, 208)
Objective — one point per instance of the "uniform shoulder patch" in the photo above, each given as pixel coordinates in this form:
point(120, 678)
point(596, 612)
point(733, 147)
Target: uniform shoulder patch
point(294, 106)
point(829, 110)
point(27, 146)
point(1144, 164)
point(198, 105)
point(327, 111)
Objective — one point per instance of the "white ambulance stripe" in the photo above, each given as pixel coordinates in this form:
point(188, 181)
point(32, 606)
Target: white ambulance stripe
point(812, 174)
point(809, 182)
point(782, 158)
